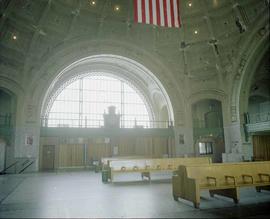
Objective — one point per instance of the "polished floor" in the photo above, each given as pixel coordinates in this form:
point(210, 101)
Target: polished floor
point(71, 194)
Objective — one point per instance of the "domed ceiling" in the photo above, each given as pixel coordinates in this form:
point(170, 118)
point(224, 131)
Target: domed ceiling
point(204, 48)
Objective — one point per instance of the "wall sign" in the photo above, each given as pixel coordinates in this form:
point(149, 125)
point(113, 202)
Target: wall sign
point(181, 139)
point(29, 140)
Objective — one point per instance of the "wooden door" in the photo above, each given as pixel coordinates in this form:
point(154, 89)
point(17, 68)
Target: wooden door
point(48, 156)
point(65, 155)
point(261, 147)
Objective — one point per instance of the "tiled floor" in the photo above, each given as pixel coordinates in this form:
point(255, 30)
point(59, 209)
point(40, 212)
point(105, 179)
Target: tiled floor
point(82, 194)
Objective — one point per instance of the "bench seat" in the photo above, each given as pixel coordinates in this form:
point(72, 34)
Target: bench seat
point(222, 179)
point(146, 166)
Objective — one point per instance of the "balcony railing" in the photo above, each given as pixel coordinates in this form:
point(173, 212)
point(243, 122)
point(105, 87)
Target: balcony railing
point(203, 132)
point(98, 123)
point(258, 117)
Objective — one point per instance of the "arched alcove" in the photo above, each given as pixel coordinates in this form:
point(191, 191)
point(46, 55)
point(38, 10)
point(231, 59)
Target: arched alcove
point(253, 49)
point(208, 132)
point(258, 111)
point(259, 93)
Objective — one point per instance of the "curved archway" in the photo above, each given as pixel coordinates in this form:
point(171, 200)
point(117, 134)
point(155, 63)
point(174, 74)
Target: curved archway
point(82, 102)
point(254, 47)
point(259, 93)
point(128, 70)
point(48, 70)
point(248, 79)
point(208, 131)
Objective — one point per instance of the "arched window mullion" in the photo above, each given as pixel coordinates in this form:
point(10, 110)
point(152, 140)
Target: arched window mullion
point(86, 108)
point(122, 112)
point(80, 102)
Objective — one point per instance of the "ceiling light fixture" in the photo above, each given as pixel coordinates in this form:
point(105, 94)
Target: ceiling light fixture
point(117, 8)
point(190, 4)
point(93, 3)
point(196, 32)
point(14, 37)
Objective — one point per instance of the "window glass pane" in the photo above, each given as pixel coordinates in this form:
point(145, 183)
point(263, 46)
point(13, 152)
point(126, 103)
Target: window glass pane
point(209, 148)
point(202, 148)
point(205, 147)
point(83, 102)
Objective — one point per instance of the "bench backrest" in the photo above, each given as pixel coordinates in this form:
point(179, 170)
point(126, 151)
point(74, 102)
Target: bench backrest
point(220, 170)
point(107, 160)
point(162, 164)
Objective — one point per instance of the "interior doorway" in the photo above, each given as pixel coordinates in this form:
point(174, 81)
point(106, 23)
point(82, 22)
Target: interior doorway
point(7, 123)
point(261, 147)
point(208, 130)
point(48, 156)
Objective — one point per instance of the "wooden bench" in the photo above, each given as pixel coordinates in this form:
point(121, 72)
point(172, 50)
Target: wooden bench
point(222, 179)
point(105, 161)
point(146, 166)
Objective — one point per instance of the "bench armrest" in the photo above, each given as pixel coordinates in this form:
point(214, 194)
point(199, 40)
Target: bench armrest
point(123, 168)
point(231, 177)
point(264, 174)
point(247, 176)
point(135, 168)
point(213, 178)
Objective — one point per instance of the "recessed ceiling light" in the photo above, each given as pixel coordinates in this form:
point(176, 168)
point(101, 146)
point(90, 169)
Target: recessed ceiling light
point(117, 8)
point(189, 4)
point(14, 37)
point(93, 3)
point(196, 32)
point(215, 3)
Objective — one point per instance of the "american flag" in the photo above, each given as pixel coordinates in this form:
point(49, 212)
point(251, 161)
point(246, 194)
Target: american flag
point(163, 13)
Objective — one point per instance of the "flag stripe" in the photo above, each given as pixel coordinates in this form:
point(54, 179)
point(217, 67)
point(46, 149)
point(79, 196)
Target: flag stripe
point(135, 3)
point(172, 13)
point(176, 14)
point(178, 17)
point(143, 11)
point(158, 12)
point(169, 16)
point(163, 13)
point(150, 12)
point(139, 7)
point(147, 17)
point(154, 12)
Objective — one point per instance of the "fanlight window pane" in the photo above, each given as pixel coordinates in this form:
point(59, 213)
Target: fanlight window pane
point(209, 148)
point(205, 147)
point(83, 103)
point(202, 148)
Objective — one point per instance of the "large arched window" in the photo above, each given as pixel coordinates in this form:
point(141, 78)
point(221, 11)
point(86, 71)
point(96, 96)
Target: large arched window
point(82, 103)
